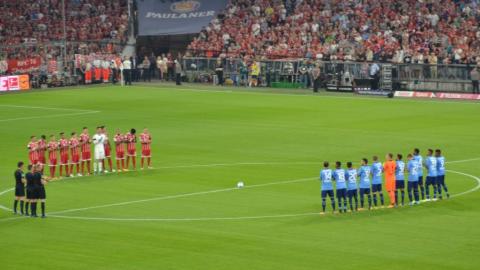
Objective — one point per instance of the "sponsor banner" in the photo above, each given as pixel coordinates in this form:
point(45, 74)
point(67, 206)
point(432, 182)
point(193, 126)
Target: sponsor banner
point(22, 66)
point(419, 94)
point(156, 17)
point(367, 91)
point(341, 88)
point(14, 83)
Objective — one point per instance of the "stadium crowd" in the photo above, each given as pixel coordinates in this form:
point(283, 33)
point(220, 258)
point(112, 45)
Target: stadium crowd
point(29, 30)
point(407, 31)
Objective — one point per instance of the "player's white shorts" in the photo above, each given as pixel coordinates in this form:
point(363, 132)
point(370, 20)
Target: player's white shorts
point(99, 154)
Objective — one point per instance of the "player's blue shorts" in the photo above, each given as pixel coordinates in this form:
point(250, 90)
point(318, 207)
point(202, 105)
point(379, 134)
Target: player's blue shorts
point(412, 185)
point(420, 180)
point(376, 187)
point(441, 180)
point(352, 193)
point(341, 193)
point(400, 184)
point(364, 191)
point(326, 193)
point(430, 180)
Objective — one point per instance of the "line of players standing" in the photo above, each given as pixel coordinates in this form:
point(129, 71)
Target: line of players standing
point(33, 182)
point(370, 181)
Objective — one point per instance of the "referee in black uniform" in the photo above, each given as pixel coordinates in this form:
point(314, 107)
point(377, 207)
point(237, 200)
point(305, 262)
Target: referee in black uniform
point(40, 183)
point(30, 181)
point(19, 188)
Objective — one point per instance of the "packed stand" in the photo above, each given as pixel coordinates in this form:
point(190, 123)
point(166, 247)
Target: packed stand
point(433, 32)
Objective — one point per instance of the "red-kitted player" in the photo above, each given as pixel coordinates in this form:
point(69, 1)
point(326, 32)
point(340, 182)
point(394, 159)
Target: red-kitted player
point(119, 140)
point(33, 150)
point(86, 151)
point(75, 153)
point(146, 141)
point(64, 146)
point(131, 140)
point(52, 147)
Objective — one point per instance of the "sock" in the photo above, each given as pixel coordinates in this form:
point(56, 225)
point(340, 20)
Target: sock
point(110, 164)
point(89, 167)
point(410, 195)
point(362, 201)
point(350, 202)
point(332, 201)
point(369, 201)
point(33, 208)
point(15, 203)
point(403, 196)
point(324, 204)
point(422, 191)
point(396, 197)
point(356, 202)
point(427, 192)
point(381, 199)
point(95, 170)
point(416, 196)
point(21, 207)
point(26, 208)
point(83, 167)
point(340, 205)
point(375, 199)
point(344, 205)
point(149, 161)
point(43, 208)
point(434, 191)
point(100, 167)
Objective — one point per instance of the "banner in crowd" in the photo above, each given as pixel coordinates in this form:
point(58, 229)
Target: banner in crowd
point(23, 66)
point(419, 94)
point(14, 83)
point(156, 17)
point(81, 59)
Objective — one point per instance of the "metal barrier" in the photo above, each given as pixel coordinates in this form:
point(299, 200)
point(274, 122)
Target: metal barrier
point(419, 77)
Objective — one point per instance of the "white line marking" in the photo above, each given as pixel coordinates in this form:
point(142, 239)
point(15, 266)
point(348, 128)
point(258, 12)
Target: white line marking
point(182, 195)
point(460, 161)
point(6, 191)
point(48, 116)
point(45, 108)
point(470, 190)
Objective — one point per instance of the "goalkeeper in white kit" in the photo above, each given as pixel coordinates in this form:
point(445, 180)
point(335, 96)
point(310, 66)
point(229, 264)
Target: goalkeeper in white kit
point(98, 141)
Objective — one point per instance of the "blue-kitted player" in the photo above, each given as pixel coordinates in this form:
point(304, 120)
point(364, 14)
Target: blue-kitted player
point(351, 175)
point(327, 186)
point(341, 186)
point(412, 167)
point(399, 179)
point(364, 173)
point(431, 166)
point(377, 170)
point(419, 159)
point(441, 174)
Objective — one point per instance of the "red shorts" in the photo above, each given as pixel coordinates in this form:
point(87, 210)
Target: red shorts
point(120, 155)
point(131, 153)
point(86, 155)
point(33, 159)
point(41, 159)
point(107, 152)
point(75, 159)
point(64, 159)
point(52, 162)
point(146, 153)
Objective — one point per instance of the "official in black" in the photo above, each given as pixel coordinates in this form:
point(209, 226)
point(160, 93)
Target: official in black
point(19, 188)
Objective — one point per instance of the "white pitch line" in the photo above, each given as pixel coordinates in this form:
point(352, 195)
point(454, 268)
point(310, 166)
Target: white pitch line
point(44, 108)
point(465, 160)
point(470, 190)
point(48, 116)
point(6, 191)
point(182, 195)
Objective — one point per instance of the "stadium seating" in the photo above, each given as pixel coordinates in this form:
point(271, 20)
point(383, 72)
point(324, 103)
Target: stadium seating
point(29, 29)
point(388, 31)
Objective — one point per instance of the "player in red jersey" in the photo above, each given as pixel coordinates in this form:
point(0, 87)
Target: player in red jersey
point(64, 146)
point(108, 150)
point(42, 148)
point(146, 141)
point(131, 140)
point(86, 150)
point(119, 140)
point(33, 150)
point(52, 147)
point(75, 153)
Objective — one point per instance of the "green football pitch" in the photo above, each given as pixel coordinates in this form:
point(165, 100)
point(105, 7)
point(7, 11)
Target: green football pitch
point(187, 213)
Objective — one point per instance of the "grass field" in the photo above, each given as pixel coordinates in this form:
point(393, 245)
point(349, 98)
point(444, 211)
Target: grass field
point(187, 213)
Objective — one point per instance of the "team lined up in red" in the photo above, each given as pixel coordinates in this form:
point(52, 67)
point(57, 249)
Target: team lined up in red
point(75, 152)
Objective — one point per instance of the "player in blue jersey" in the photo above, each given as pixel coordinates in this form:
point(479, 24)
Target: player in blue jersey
point(377, 170)
point(364, 173)
point(431, 166)
point(351, 175)
point(412, 167)
point(341, 186)
point(327, 186)
point(400, 179)
point(441, 174)
point(419, 159)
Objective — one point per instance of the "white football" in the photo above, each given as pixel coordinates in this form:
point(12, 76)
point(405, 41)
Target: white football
point(240, 184)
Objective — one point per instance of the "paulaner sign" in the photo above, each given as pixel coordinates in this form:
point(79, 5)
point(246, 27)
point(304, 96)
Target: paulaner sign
point(164, 17)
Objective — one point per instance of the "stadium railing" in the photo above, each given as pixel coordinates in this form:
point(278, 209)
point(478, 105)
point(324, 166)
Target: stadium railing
point(418, 77)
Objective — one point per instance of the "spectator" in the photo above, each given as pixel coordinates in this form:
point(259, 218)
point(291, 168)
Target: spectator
point(475, 77)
